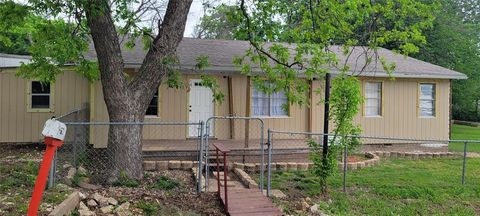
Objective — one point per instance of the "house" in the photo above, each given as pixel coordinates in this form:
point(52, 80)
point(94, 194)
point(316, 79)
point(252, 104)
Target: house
point(415, 105)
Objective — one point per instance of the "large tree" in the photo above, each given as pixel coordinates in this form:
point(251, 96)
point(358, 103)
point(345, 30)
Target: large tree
point(64, 36)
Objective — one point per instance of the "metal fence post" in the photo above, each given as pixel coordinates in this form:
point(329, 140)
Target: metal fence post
point(345, 169)
point(51, 174)
point(262, 167)
point(74, 147)
point(200, 158)
point(269, 165)
point(464, 162)
point(207, 149)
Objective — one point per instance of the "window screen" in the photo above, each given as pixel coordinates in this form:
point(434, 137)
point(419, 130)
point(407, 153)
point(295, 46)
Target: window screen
point(40, 93)
point(373, 99)
point(427, 99)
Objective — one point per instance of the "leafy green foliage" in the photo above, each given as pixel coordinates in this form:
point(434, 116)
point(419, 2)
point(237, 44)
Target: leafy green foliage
point(52, 43)
point(454, 42)
point(221, 22)
point(292, 39)
point(323, 165)
point(11, 40)
point(165, 183)
point(211, 82)
point(345, 102)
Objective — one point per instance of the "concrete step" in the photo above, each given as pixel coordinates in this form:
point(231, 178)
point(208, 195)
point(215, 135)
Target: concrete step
point(229, 183)
point(215, 165)
point(221, 175)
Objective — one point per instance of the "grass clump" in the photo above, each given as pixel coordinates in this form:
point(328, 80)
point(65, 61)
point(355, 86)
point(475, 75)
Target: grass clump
point(149, 209)
point(124, 181)
point(18, 175)
point(165, 183)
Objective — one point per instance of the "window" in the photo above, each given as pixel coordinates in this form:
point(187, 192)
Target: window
point(427, 99)
point(152, 109)
point(40, 95)
point(373, 99)
point(269, 105)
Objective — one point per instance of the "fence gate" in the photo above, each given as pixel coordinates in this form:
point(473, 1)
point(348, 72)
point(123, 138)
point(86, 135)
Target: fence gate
point(244, 136)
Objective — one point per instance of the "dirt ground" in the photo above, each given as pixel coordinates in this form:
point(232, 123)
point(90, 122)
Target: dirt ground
point(19, 167)
point(153, 198)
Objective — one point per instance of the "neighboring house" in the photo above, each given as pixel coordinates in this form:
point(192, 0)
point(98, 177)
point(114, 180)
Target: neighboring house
point(415, 105)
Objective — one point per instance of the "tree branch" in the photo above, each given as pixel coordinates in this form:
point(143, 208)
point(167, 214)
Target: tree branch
point(109, 55)
point(257, 46)
point(154, 66)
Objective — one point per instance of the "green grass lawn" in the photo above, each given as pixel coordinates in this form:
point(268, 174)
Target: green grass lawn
point(396, 187)
point(464, 132)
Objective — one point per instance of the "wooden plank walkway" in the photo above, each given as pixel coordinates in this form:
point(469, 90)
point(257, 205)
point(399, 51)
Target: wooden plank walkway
point(249, 202)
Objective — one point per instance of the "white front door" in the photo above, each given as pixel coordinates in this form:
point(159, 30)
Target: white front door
point(201, 106)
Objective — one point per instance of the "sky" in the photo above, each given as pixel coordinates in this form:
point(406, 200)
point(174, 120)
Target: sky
point(196, 11)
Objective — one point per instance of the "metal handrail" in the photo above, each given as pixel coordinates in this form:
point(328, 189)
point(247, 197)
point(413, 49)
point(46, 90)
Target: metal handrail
point(221, 148)
point(205, 148)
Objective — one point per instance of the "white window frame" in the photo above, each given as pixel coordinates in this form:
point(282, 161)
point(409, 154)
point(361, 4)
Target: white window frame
point(433, 100)
point(30, 94)
point(271, 99)
point(379, 98)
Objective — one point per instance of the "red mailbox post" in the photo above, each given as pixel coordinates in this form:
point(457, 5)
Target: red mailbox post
point(54, 133)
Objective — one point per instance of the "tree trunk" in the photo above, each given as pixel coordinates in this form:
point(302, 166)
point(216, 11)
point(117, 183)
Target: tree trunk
point(126, 101)
point(125, 151)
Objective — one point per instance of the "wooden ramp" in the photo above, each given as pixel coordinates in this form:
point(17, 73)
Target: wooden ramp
point(249, 202)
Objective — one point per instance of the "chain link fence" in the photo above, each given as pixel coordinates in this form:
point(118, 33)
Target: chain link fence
point(293, 147)
point(87, 157)
point(243, 136)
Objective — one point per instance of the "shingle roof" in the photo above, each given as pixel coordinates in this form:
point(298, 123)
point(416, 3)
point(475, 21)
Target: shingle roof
point(222, 52)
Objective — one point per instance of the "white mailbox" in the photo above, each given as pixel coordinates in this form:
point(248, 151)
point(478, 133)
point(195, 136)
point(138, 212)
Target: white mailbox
point(54, 129)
